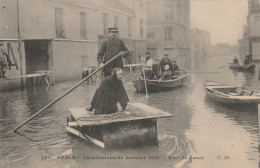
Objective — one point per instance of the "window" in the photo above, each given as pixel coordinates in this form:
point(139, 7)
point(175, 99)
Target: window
point(168, 34)
point(59, 23)
point(129, 26)
point(116, 21)
point(257, 25)
point(141, 28)
point(169, 10)
point(141, 4)
point(150, 34)
point(84, 61)
point(105, 23)
point(179, 14)
point(83, 25)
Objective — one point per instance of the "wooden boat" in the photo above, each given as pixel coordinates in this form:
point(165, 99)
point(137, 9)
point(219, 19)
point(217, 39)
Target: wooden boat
point(247, 68)
point(135, 128)
point(231, 94)
point(160, 85)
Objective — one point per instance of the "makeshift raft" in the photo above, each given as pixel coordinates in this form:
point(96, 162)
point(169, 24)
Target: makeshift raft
point(121, 129)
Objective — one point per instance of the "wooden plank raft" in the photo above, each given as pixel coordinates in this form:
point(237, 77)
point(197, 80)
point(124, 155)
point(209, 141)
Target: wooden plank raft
point(120, 129)
point(141, 111)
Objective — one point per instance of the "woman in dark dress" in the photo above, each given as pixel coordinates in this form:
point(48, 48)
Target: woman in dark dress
point(110, 91)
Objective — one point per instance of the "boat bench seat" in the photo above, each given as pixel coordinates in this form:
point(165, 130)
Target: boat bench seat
point(233, 94)
point(239, 91)
point(249, 93)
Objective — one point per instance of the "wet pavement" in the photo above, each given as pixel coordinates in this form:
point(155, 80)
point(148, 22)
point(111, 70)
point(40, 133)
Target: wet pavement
point(202, 133)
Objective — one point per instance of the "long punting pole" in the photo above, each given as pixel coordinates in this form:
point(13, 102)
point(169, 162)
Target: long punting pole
point(64, 94)
point(259, 125)
point(145, 84)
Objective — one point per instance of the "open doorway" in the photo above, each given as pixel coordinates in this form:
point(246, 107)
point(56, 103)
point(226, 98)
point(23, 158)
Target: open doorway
point(37, 54)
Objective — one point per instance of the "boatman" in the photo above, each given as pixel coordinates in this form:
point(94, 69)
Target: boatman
point(3, 63)
point(110, 92)
point(110, 48)
point(165, 61)
point(148, 65)
point(235, 60)
point(250, 56)
point(247, 60)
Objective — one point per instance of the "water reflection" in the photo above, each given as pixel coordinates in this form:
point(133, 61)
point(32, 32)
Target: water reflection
point(200, 127)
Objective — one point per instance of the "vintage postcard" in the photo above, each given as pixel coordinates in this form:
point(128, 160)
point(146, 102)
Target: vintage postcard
point(129, 83)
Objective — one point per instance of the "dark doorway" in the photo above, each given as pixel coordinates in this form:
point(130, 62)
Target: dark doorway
point(37, 54)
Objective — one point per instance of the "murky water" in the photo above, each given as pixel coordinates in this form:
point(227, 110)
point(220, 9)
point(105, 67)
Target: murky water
point(201, 134)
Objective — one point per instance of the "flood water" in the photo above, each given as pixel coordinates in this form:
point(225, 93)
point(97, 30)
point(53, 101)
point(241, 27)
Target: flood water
point(202, 133)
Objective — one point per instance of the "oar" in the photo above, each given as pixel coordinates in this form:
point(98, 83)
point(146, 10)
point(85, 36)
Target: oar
point(145, 85)
point(60, 97)
point(221, 67)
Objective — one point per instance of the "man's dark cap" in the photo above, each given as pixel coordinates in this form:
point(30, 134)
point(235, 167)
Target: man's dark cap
point(148, 53)
point(113, 29)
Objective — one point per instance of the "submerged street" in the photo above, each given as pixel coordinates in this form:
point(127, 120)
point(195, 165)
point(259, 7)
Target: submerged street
point(202, 133)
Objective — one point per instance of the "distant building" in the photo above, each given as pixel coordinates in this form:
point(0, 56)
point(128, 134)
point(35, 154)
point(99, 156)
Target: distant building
point(168, 24)
point(199, 42)
point(253, 21)
point(223, 49)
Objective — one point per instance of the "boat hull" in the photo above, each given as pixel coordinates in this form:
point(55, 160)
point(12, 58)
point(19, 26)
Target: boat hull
point(224, 98)
point(247, 68)
point(156, 86)
point(160, 85)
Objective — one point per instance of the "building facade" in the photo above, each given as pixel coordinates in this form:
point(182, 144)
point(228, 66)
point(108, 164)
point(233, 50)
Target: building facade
point(253, 22)
point(223, 49)
point(168, 28)
point(64, 36)
point(56, 35)
point(129, 16)
point(243, 44)
point(199, 43)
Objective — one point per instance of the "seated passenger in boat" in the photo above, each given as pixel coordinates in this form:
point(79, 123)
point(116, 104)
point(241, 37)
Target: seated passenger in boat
point(110, 92)
point(167, 74)
point(165, 61)
point(175, 67)
point(156, 69)
point(235, 60)
point(247, 60)
point(250, 57)
point(3, 62)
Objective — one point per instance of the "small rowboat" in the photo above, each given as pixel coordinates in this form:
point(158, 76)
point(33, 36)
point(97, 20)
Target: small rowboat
point(134, 128)
point(230, 94)
point(247, 68)
point(161, 85)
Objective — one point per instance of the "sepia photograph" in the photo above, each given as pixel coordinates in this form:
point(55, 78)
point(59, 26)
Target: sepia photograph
point(129, 83)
